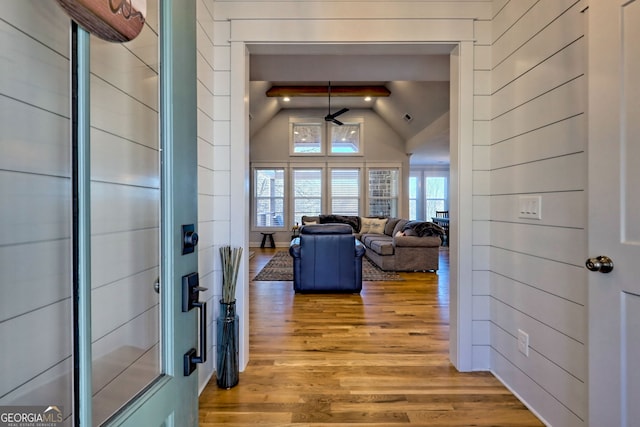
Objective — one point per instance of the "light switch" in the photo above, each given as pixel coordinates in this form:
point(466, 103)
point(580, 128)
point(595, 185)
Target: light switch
point(530, 207)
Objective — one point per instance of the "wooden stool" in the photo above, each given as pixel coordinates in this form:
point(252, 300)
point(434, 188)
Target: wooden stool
point(264, 240)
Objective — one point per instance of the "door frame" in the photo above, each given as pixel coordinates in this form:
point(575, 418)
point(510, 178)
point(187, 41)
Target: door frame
point(245, 33)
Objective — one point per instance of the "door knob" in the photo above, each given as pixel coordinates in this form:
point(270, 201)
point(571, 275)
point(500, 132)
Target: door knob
point(603, 264)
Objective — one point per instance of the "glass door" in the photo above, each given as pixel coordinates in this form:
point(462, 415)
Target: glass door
point(132, 331)
point(125, 217)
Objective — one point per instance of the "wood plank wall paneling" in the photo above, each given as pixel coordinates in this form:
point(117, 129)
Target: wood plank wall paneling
point(481, 238)
point(542, 78)
point(269, 9)
point(43, 149)
point(36, 62)
point(207, 248)
point(541, 45)
point(559, 104)
point(538, 141)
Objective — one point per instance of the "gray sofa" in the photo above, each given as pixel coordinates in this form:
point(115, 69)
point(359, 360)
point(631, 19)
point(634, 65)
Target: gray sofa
point(393, 244)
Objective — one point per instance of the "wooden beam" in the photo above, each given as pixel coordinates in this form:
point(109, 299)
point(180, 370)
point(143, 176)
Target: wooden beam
point(310, 91)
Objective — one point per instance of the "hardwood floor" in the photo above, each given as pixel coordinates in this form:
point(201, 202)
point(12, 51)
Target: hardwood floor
point(379, 358)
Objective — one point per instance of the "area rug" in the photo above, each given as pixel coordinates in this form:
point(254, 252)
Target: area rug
point(280, 268)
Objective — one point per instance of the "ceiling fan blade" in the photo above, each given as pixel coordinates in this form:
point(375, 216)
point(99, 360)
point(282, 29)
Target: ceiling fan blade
point(332, 117)
point(337, 113)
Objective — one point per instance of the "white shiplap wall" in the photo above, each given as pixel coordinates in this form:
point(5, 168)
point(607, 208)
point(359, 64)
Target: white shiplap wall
point(537, 147)
point(481, 191)
point(214, 169)
point(207, 248)
point(35, 212)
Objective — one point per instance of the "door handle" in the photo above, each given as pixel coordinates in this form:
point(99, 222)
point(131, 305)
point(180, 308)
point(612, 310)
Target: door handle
point(190, 299)
point(603, 264)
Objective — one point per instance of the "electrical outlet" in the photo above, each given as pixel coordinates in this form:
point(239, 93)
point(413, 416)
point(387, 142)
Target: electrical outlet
point(530, 207)
point(523, 342)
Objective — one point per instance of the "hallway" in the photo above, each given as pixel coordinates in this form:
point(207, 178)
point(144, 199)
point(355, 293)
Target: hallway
point(378, 358)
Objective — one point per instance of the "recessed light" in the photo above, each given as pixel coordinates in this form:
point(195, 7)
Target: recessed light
point(367, 98)
point(286, 99)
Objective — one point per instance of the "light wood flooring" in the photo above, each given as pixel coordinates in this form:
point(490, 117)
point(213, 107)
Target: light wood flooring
point(375, 359)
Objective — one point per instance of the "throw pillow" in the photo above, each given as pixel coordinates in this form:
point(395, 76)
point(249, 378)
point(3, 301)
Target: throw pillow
point(400, 226)
point(309, 219)
point(391, 225)
point(365, 224)
point(377, 225)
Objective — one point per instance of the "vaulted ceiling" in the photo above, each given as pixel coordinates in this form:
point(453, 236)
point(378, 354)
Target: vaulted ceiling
point(416, 75)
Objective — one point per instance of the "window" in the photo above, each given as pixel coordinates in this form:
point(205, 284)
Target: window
point(383, 192)
point(307, 193)
point(413, 196)
point(428, 192)
point(435, 195)
point(345, 191)
point(269, 197)
point(306, 137)
point(283, 193)
point(346, 139)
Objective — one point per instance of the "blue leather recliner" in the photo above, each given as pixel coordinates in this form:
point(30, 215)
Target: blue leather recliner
point(327, 258)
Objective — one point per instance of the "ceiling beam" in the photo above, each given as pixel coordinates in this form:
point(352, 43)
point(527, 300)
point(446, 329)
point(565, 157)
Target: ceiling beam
point(291, 91)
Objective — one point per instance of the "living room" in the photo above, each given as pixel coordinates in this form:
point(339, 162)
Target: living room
point(403, 136)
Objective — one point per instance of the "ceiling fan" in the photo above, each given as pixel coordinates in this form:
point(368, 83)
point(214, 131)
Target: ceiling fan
point(332, 117)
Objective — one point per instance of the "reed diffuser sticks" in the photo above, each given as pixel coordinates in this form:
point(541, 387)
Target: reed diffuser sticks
point(230, 266)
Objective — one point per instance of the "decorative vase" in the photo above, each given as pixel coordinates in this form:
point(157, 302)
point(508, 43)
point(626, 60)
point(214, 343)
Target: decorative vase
point(228, 366)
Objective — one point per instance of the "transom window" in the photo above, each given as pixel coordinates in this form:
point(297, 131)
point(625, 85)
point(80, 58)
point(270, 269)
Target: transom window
point(345, 139)
point(307, 137)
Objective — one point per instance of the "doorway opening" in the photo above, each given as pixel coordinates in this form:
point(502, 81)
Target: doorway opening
point(460, 135)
